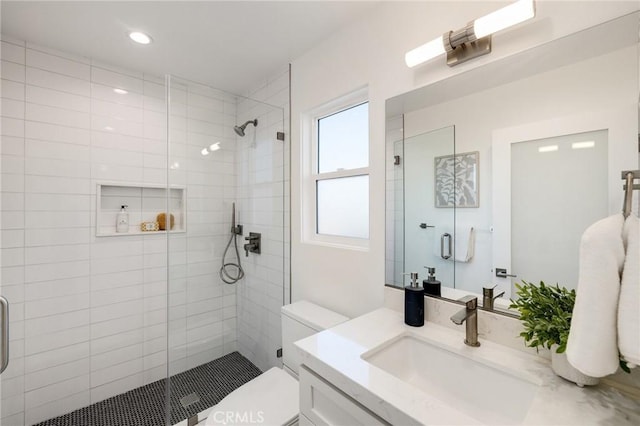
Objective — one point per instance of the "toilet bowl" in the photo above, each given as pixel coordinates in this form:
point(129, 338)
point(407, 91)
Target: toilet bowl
point(273, 397)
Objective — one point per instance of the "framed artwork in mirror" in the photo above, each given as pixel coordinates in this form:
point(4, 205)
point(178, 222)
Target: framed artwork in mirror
point(456, 180)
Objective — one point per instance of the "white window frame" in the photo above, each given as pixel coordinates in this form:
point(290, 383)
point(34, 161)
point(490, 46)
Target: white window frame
point(311, 176)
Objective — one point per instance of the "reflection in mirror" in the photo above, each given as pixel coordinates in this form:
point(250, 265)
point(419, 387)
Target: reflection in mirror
point(548, 219)
point(529, 216)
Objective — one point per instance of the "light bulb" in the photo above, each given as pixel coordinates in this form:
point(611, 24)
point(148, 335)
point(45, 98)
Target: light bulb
point(503, 18)
point(425, 52)
point(140, 37)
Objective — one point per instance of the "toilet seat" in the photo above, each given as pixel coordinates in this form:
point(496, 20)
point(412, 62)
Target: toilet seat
point(272, 398)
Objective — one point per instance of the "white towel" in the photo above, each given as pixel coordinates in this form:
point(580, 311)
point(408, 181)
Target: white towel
point(592, 347)
point(463, 244)
point(629, 305)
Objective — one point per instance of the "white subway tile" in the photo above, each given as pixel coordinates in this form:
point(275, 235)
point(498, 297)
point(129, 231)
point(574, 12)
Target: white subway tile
point(56, 374)
point(12, 52)
point(107, 93)
point(117, 326)
point(117, 69)
point(56, 288)
point(55, 357)
point(12, 146)
point(121, 340)
point(55, 167)
point(116, 157)
point(58, 116)
point(116, 279)
point(12, 182)
point(63, 83)
point(12, 238)
point(12, 71)
point(58, 407)
point(12, 220)
point(116, 80)
point(12, 108)
point(48, 272)
point(38, 397)
point(118, 310)
point(58, 185)
point(57, 305)
point(60, 339)
point(46, 237)
point(56, 254)
point(55, 133)
point(111, 124)
point(12, 127)
point(116, 387)
point(12, 256)
point(12, 90)
point(56, 150)
point(12, 164)
point(117, 295)
point(107, 359)
point(57, 64)
point(59, 53)
point(57, 99)
point(117, 111)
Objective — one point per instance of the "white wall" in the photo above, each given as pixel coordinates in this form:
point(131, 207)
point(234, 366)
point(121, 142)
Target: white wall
point(370, 52)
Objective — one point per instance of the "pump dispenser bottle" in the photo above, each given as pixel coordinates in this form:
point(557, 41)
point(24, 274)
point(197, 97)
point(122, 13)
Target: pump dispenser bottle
point(122, 220)
point(431, 285)
point(414, 302)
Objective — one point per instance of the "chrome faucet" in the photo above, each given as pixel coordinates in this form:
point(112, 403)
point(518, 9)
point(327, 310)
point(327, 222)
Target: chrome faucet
point(469, 315)
point(488, 297)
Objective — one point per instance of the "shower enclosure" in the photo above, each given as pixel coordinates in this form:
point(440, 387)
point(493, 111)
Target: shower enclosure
point(135, 327)
point(225, 151)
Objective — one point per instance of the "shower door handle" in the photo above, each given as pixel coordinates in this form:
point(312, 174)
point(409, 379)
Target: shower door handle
point(445, 236)
point(4, 330)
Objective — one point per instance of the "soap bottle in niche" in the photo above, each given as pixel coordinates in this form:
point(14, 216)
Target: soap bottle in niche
point(122, 220)
point(414, 302)
point(431, 285)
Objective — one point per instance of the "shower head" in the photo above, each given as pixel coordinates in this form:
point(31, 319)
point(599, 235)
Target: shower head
point(240, 129)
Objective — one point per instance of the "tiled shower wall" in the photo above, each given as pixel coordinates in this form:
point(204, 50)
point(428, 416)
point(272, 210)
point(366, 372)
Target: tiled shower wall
point(263, 196)
point(88, 314)
point(202, 309)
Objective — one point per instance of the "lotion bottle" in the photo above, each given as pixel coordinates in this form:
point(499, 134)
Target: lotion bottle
point(122, 220)
point(431, 285)
point(414, 302)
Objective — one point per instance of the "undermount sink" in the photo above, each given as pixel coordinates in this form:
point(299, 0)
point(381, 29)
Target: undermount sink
point(492, 395)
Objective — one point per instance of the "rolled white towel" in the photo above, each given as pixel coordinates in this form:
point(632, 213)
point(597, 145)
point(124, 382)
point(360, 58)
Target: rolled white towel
point(629, 305)
point(592, 347)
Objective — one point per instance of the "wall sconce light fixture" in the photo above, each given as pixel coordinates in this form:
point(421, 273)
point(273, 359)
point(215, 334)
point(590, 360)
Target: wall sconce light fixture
point(473, 40)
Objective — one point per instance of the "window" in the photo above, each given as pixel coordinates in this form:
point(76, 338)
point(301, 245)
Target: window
point(336, 193)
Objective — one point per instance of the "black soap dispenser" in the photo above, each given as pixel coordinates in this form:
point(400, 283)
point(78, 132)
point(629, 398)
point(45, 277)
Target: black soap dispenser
point(431, 285)
point(414, 302)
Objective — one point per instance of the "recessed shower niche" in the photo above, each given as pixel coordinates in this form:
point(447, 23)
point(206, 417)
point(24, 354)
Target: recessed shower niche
point(144, 203)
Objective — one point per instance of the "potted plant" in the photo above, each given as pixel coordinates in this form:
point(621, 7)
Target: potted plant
point(545, 312)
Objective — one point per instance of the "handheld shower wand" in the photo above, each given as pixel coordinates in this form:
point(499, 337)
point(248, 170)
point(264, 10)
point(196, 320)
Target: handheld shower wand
point(230, 272)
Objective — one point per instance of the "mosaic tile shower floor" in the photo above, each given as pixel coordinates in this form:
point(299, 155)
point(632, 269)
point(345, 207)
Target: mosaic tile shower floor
point(191, 392)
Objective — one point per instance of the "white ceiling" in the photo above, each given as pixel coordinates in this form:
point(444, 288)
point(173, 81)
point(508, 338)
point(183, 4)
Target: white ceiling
point(230, 45)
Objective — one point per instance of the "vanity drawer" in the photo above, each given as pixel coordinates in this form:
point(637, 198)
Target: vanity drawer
point(323, 404)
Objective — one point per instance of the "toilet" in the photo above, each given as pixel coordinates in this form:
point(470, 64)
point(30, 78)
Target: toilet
point(273, 397)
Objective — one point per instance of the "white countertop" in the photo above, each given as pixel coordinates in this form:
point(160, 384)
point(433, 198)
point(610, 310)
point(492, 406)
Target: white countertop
point(335, 354)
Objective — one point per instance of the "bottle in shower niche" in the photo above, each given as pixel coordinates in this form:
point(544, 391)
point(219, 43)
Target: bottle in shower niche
point(122, 220)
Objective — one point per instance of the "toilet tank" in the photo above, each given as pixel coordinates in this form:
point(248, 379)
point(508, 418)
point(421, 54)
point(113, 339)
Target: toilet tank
point(299, 320)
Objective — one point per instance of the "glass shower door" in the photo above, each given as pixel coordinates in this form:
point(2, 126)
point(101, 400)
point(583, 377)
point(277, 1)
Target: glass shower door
point(223, 152)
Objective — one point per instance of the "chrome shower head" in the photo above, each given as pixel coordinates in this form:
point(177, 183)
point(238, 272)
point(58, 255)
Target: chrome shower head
point(240, 129)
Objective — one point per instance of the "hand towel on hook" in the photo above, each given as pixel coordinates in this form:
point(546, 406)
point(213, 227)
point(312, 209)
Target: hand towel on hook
point(592, 346)
point(629, 304)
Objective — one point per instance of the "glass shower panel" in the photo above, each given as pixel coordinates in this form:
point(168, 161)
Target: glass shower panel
point(222, 334)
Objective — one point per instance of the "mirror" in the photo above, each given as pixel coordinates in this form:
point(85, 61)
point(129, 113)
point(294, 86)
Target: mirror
point(532, 146)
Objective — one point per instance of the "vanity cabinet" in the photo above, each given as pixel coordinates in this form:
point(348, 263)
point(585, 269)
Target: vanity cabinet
point(322, 404)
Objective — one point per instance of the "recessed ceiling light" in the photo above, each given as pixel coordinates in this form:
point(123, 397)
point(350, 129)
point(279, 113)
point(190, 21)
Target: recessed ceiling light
point(583, 145)
point(120, 91)
point(548, 148)
point(139, 37)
